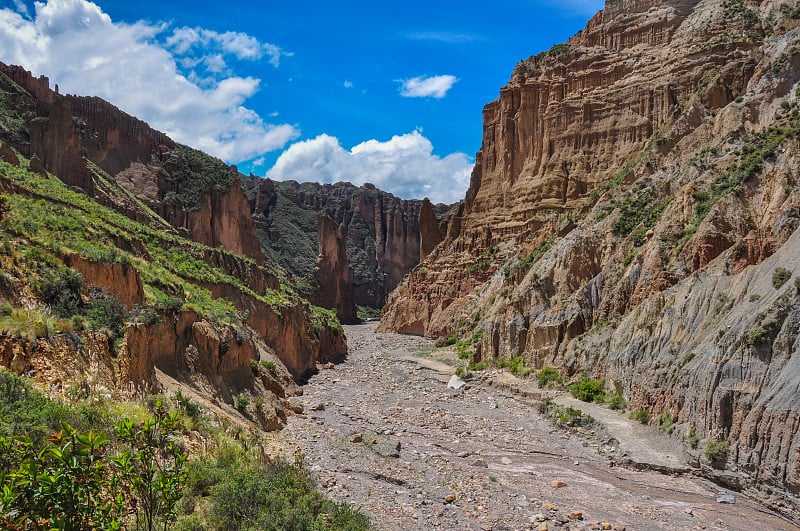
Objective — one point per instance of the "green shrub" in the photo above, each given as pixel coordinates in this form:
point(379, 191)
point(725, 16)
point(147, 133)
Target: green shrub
point(717, 450)
point(588, 390)
point(547, 375)
point(779, 276)
point(616, 402)
point(106, 313)
point(62, 291)
point(241, 401)
point(691, 438)
point(640, 415)
point(515, 365)
point(665, 422)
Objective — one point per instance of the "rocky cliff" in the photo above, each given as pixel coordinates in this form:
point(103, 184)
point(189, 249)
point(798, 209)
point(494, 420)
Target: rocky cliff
point(383, 231)
point(632, 215)
point(101, 285)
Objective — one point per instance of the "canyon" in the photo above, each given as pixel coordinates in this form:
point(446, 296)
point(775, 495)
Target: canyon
point(632, 218)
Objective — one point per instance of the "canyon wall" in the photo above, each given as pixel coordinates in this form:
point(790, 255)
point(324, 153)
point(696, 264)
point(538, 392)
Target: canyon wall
point(635, 192)
point(383, 232)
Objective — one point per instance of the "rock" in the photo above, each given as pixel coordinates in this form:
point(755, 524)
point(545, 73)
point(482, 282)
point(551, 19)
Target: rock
point(450, 498)
point(605, 526)
point(549, 506)
point(318, 406)
point(576, 515)
point(36, 165)
point(538, 517)
point(7, 154)
point(543, 527)
point(480, 463)
point(332, 271)
point(619, 527)
point(357, 438)
point(726, 498)
point(463, 454)
point(455, 383)
point(505, 461)
point(557, 484)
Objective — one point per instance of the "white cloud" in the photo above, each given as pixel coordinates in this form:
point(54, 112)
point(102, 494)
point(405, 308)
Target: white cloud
point(79, 47)
point(448, 37)
point(424, 87)
point(348, 84)
point(404, 165)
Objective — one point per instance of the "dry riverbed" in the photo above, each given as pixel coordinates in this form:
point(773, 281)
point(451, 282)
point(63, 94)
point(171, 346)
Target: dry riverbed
point(383, 431)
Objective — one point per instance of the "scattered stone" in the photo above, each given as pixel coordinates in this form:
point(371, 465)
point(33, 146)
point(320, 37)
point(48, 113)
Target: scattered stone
point(605, 525)
point(450, 498)
point(319, 406)
point(619, 527)
point(557, 484)
point(576, 515)
point(455, 383)
point(538, 517)
point(328, 365)
point(549, 506)
point(464, 454)
point(356, 438)
point(543, 527)
point(726, 498)
point(480, 463)
point(505, 461)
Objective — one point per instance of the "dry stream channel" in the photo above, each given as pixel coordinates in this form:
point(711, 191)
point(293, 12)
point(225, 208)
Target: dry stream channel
point(383, 431)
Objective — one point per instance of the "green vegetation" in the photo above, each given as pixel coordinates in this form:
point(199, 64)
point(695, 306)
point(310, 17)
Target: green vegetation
point(780, 276)
point(515, 365)
point(691, 438)
point(241, 401)
point(717, 450)
point(533, 256)
point(588, 390)
point(559, 49)
point(666, 422)
point(125, 466)
point(616, 402)
point(484, 260)
point(49, 221)
point(548, 375)
point(194, 174)
point(638, 211)
point(640, 415)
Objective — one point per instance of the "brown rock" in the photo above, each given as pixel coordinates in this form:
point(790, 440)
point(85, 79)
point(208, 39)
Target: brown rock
point(356, 438)
point(429, 234)
point(576, 515)
point(120, 279)
point(557, 484)
point(55, 141)
point(450, 498)
point(7, 154)
point(333, 272)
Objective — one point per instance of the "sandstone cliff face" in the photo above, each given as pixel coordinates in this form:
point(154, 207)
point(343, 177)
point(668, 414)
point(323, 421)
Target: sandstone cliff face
point(333, 272)
point(631, 185)
point(383, 231)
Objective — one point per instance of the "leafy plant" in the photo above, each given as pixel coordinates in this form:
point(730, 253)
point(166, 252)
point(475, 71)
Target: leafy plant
point(616, 402)
point(779, 276)
point(241, 401)
point(640, 415)
point(588, 390)
point(717, 450)
point(548, 375)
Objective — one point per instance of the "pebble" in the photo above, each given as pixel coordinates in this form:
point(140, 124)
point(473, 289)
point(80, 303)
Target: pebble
point(356, 438)
point(557, 484)
point(576, 515)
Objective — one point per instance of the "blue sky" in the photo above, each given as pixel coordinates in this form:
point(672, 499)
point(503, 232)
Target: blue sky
point(360, 91)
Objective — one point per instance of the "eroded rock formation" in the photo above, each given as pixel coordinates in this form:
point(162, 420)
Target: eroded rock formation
point(332, 271)
point(635, 190)
point(383, 231)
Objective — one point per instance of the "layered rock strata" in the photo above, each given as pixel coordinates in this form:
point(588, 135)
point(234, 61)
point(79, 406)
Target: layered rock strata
point(635, 192)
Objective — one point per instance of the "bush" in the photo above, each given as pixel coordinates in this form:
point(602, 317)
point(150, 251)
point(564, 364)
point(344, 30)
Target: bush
point(241, 401)
point(691, 438)
point(588, 390)
point(106, 313)
point(717, 451)
point(779, 276)
point(515, 365)
point(665, 422)
point(547, 375)
point(640, 415)
point(617, 403)
point(62, 291)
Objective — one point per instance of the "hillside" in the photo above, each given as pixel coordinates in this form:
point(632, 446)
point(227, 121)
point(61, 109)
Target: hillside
point(632, 217)
point(101, 290)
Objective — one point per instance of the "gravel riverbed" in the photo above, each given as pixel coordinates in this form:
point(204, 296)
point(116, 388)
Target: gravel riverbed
point(383, 431)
